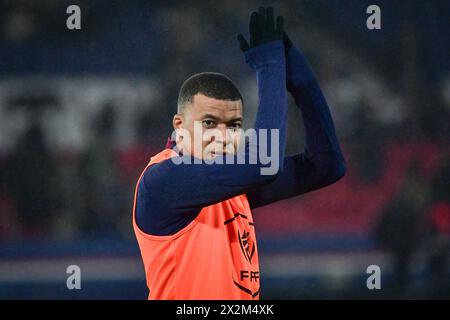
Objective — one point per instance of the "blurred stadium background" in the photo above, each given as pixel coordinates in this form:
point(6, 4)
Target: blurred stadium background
point(82, 111)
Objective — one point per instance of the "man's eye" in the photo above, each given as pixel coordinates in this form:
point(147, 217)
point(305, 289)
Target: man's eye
point(209, 123)
point(236, 126)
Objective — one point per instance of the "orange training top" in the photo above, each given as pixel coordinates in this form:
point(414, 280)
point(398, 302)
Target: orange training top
point(214, 257)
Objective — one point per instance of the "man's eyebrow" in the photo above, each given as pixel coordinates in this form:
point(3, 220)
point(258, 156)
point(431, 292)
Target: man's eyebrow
point(236, 119)
point(211, 116)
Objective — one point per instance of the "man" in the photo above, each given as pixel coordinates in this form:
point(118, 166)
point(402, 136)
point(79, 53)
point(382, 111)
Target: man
point(192, 218)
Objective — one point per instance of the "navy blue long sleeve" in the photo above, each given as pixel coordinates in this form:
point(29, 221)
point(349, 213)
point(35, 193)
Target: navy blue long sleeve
point(321, 163)
point(171, 195)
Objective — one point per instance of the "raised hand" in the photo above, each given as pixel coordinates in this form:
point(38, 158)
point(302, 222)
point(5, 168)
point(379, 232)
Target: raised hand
point(262, 28)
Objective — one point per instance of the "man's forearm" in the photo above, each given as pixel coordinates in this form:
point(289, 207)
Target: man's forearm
point(321, 163)
point(320, 133)
point(268, 60)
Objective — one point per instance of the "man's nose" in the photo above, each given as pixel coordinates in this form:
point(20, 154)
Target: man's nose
point(223, 135)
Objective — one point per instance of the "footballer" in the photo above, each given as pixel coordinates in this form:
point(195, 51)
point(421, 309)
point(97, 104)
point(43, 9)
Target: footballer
point(193, 219)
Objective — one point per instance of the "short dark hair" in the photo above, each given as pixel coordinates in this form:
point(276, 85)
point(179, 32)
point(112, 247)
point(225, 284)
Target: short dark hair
point(211, 84)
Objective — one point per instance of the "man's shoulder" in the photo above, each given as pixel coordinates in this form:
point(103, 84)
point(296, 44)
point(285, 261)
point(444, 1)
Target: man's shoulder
point(161, 156)
point(157, 158)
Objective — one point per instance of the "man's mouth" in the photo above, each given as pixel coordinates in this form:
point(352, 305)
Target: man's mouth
point(215, 154)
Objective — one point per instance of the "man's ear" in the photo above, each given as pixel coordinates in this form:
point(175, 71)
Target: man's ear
point(177, 121)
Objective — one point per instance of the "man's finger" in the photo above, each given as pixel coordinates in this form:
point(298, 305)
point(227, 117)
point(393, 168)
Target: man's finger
point(253, 27)
point(269, 18)
point(262, 19)
point(280, 25)
point(287, 41)
point(243, 44)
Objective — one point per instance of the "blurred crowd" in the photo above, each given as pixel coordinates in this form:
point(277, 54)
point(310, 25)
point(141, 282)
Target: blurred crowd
point(82, 111)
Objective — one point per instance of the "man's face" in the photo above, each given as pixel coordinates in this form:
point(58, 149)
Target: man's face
point(217, 126)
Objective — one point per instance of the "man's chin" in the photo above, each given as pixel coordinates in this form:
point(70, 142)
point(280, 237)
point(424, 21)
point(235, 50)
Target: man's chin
point(213, 155)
